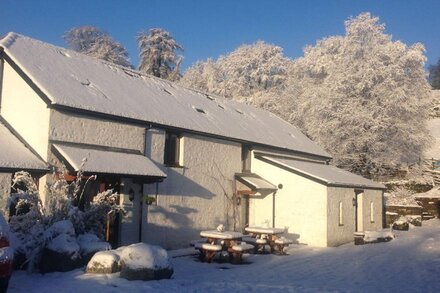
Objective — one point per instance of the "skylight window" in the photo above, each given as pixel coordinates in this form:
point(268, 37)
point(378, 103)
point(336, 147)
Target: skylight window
point(220, 106)
point(239, 111)
point(65, 54)
point(210, 98)
point(200, 110)
point(168, 92)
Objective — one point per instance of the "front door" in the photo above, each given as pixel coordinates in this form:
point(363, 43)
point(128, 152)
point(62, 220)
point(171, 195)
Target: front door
point(359, 224)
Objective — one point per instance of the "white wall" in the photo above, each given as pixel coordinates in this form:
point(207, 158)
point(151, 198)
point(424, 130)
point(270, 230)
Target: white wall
point(25, 111)
point(300, 206)
point(5, 188)
point(70, 127)
point(374, 196)
point(339, 234)
point(196, 197)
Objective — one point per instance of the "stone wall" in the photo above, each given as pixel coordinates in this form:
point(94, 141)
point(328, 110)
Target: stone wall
point(5, 189)
point(430, 205)
point(393, 212)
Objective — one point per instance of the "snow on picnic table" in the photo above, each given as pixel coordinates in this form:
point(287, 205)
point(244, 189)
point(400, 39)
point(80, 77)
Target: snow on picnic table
point(409, 263)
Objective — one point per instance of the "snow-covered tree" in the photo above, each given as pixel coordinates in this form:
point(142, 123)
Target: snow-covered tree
point(361, 96)
point(158, 54)
point(92, 41)
point(247, 71)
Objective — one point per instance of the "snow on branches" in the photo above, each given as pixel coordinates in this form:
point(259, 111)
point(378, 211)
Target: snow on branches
point(158, 54)
point(33, 226)
point(91, 41)
point(363, 97)
point(249, 70)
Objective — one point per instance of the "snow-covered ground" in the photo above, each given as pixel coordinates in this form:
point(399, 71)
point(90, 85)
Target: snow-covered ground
point(409, 263)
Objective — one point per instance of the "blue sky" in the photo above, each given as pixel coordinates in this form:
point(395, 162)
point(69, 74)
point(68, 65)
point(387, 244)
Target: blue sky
point(211, 28)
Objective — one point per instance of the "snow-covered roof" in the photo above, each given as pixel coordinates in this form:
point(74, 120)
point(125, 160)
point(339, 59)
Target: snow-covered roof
point(15, 156)
point(255, 182)
point(326, 174)
point(108, 162)
point(73, 80)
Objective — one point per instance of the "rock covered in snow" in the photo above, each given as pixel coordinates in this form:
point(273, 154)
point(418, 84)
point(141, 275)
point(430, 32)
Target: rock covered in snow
point(62, 252)
point(90, 244)
point(141, 261)
point(105, 262)
point(401, 224)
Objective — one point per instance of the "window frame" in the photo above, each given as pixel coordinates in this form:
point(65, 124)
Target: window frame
point(173, 143)
point(371, 212)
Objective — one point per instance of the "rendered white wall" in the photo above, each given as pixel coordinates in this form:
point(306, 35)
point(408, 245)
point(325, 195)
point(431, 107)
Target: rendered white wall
point(300, 206)
point(5, 188)
point(70, 127)
point(198, 196)
point(25, 111)
point(339, 234)
point(374, 196)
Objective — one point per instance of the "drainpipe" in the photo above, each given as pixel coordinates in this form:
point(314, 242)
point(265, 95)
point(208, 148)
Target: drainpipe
point(273, 209)
point(141, 211)
point(1, 75)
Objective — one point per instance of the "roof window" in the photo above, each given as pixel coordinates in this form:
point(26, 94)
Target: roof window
point(200, 110)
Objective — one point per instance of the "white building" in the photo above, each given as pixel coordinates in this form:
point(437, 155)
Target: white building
point(197, 159)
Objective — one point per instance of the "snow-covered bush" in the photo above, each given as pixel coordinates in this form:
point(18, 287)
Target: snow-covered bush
point(64, 218)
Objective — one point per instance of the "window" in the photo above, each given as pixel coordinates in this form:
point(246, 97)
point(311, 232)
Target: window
point(246, 158)
point(340, 214)
point(173, 155)
point(372, 212)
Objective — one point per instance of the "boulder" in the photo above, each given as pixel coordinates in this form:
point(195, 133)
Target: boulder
point(104, 262)
point(401, 224)
point(89, 245)
point(60, 255)
point(145, 262)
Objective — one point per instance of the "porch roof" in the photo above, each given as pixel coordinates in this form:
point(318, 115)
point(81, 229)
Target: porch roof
point(255, 182)
point(325, 174)
point(100, 161)
point(15, 156)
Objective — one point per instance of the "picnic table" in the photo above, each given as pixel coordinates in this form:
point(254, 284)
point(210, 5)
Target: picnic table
point(218, 241)
point(262, 236)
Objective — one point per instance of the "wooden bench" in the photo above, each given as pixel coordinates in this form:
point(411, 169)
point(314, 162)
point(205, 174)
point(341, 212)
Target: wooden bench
point(257, 243)
point(281, 243)
point(238, 250)
point(207, 250)
point(194, 242)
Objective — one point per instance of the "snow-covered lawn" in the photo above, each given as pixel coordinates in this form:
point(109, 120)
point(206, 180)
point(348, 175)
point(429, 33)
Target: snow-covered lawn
point(409, 263)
